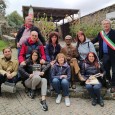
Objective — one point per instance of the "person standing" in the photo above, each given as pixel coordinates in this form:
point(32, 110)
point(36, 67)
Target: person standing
point(24, 33)
point(106, 40)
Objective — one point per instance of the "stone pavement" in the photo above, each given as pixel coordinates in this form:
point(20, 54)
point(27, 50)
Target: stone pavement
point(20, 104)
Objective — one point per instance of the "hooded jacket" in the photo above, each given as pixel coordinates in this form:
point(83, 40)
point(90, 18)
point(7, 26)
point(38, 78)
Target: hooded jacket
point(84, 48)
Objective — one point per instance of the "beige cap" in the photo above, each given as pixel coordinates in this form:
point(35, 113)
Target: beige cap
point(68, 37)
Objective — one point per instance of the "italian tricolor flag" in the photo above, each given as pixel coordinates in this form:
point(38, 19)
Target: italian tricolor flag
point(107, 40)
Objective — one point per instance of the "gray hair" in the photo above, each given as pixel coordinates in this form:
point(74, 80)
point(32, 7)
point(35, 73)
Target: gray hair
point(108, 20)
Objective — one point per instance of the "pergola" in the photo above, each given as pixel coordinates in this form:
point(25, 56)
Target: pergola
point(57, 14)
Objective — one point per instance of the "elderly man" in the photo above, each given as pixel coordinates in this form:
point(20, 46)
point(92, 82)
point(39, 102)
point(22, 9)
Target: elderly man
point(24, 33)
point(106, 40)
point(8, 67)
point(71, 54)
point(31, 44)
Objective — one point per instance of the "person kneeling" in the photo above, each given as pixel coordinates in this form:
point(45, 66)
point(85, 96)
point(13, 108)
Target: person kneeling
point(60, 78)
point(33, 79)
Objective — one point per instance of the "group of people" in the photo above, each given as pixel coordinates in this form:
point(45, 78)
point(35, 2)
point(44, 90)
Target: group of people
point(60, 66)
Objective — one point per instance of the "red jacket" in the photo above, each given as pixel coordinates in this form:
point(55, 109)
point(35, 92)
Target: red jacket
point(27, 49)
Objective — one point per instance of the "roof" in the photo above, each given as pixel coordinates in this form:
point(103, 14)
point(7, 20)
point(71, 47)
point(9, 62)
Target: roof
point(56, 13)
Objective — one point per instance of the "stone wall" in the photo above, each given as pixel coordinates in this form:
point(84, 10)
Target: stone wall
point(97, 16)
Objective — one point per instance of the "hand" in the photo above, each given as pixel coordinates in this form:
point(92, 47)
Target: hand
point(92, 77)
point(31, 75)
point(63, 76)
point(9, 76)
point(42, 61)
point(52, 62)
point(18, 45)
point(23, 63)
point(41, 73)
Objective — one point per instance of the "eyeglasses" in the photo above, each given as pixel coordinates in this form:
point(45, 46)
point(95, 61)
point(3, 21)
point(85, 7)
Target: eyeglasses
point(35, 35)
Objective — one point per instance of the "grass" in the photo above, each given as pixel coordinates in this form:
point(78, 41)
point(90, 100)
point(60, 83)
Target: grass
point(3, 44)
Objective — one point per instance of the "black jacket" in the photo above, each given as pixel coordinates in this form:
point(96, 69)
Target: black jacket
point(33, 28)
point(111, 35)
point(26, 70)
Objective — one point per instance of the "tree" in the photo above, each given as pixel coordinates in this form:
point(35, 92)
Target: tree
point(15, 19)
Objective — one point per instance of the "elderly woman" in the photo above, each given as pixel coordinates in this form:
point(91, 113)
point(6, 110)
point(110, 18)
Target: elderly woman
point(91, 67)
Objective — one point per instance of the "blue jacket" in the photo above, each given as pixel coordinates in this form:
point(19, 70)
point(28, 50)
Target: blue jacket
point(58, 70)
point(51, 53)
point(111, 52)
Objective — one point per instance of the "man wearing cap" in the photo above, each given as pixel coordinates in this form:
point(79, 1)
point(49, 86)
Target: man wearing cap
point(70, 52)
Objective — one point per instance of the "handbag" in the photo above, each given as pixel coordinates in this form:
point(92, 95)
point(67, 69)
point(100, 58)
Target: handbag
point(93, 79)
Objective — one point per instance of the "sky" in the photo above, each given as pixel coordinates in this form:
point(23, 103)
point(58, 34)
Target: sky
point(85, 6)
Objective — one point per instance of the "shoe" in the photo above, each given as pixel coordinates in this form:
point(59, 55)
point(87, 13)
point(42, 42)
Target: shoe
point(58, 99)
point(44, 105)
point(94, 102)
point(73, 86)
point(32, 94)
point(51, 88)
point(101, 102)
point(112, 90)
point(80, 77)
point(67, 101)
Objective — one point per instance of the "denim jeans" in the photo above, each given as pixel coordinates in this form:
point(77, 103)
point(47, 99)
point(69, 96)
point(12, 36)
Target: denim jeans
point(59, 84)
point(94, 90)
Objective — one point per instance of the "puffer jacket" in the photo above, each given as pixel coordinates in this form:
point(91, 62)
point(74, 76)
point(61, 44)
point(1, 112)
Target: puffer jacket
point(58, 70)
point(89, 69)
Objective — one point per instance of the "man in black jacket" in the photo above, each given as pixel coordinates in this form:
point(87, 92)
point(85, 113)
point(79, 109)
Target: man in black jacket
point(106, 40)
point(24, 33)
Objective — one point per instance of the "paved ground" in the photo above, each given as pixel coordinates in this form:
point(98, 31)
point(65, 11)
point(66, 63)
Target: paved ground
point(20, 104)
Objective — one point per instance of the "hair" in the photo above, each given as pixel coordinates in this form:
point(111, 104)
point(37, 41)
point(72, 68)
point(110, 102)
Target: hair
point(80, 33)
point(95, 59)
point(38, 59)
point(106, 20)
point(61, 54)
point(53, 34)
point(7, 48)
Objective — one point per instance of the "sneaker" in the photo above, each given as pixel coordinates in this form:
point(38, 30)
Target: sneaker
point(44, 105)
point(58, 99)
point(32, 94)
point(67, 101)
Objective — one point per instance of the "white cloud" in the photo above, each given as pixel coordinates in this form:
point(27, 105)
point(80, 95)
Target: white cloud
point(85, 6)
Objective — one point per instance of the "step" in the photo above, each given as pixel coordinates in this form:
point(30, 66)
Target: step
point(81, 92)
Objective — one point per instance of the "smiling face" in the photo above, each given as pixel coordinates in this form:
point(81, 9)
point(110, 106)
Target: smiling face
point(7, 53)
point(34, 36)
point(106, 25)
point(61, 60)
point(81, 37)
point(91, 57)
point(34, 57)
point(54, 39)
